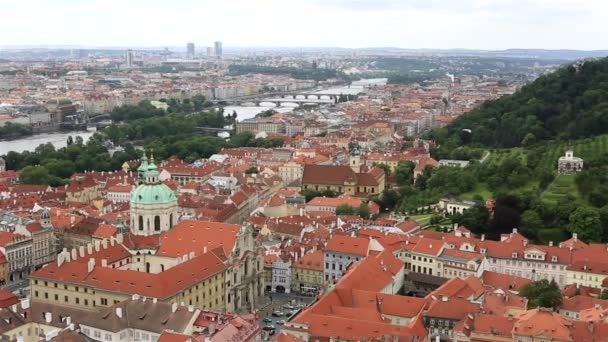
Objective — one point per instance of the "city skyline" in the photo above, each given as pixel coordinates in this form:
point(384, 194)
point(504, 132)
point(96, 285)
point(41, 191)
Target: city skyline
point(471, 24)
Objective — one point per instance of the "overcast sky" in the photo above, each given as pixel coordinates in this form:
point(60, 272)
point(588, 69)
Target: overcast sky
point(475, 24)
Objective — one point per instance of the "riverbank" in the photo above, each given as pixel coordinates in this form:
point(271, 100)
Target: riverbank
point(29, 143)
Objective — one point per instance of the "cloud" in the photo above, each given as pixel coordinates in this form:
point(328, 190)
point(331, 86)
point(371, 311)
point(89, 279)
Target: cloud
point(485, 24)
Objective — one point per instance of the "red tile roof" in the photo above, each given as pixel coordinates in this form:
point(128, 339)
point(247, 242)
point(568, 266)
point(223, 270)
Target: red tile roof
point(348, 245)
point(198, 236)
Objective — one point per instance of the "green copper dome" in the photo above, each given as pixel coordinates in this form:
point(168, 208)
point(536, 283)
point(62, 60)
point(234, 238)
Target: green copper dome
point(46, 214)
point(152, 194)
point(143, 166)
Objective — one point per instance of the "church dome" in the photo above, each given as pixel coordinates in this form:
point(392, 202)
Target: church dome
point(153, 194)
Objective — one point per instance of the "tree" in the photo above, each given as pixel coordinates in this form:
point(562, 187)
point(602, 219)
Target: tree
point(531, 222)
point(385, 167)
point(251, 170)
point(586, 222)
point(79, 140)
point(388, 199)
point(475, 218)
point(38, 175)
point(405, 172)
point(542, 293)
point(363, 210)
point(345, 209)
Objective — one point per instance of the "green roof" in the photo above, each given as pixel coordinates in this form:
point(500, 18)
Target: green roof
point(153, 194)
point(46, 214)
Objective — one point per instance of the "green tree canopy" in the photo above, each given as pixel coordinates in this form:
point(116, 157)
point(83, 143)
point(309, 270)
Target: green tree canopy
point(586, 222)
point(345, 209)
point(542, 293)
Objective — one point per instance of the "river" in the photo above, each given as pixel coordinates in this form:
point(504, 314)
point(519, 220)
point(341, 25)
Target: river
point(59, 140)
point(30, 143)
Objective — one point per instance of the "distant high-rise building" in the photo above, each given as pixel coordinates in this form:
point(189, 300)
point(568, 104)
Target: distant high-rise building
point(129, 58)
point(209, 51)
point(190, 49)
point(218, 49)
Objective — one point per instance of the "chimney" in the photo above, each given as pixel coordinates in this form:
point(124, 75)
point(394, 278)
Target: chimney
point(190, 308)
point(575, 236)
point(514, 230)
point(48, 317)
point(119, 238)
point(111, 241)
point(91, 265)
point(154, 300)
point(119, 312)
point(81, 251)
point(173, 307)
point(444, 299)
point(591, 327)
point(74, 254)
point(104, 243)
point(97, 245)
point(525, 242)
point(550, 243)
point(68, 256)
point(483, 237)
point(205, 250)
point(104, 263)
point(89, 248)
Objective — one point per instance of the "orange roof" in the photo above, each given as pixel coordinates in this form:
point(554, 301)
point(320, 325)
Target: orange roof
point(428, 246)
point(198, 236)
point(286, 337)
point(348, 245)
point(8, 237)
point(452, 308)
point(373, 273)
point(105, 231)
point(311, 261)
point(335, 201)
point(543, 322)
point(503, 281)
point(167, 336)
point(160, 285)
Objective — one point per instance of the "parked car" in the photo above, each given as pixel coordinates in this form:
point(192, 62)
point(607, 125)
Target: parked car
point(268, 328)
point(278, 313)
point(267, 320)
point(281, 322)
point(288, 307)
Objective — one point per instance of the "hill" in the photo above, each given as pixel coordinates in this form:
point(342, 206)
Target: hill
point(571, 103)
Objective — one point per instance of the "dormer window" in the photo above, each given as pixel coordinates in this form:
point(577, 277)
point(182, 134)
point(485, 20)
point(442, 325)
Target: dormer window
point(482, 251)
point(514, 255)
point(554, 258)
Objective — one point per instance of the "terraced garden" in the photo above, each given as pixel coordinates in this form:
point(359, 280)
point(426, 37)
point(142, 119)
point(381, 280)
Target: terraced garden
point(561, 187)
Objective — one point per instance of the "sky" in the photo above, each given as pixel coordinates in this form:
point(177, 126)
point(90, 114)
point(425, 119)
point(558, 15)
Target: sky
point(471, 24)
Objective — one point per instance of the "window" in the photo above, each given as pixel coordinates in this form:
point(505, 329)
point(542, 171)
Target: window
point(85, 331)
point(104, 301)
point(77, 300)
point(108, 337)
point(56, 297)
point(46, 295)
point(65, 299)
point(97, 334)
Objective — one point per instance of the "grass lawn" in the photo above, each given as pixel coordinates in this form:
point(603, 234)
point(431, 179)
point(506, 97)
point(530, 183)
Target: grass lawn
point(423, 219)
point(560, 188)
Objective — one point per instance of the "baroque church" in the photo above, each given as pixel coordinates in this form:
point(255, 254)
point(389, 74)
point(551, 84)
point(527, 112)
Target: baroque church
point(153, 204)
